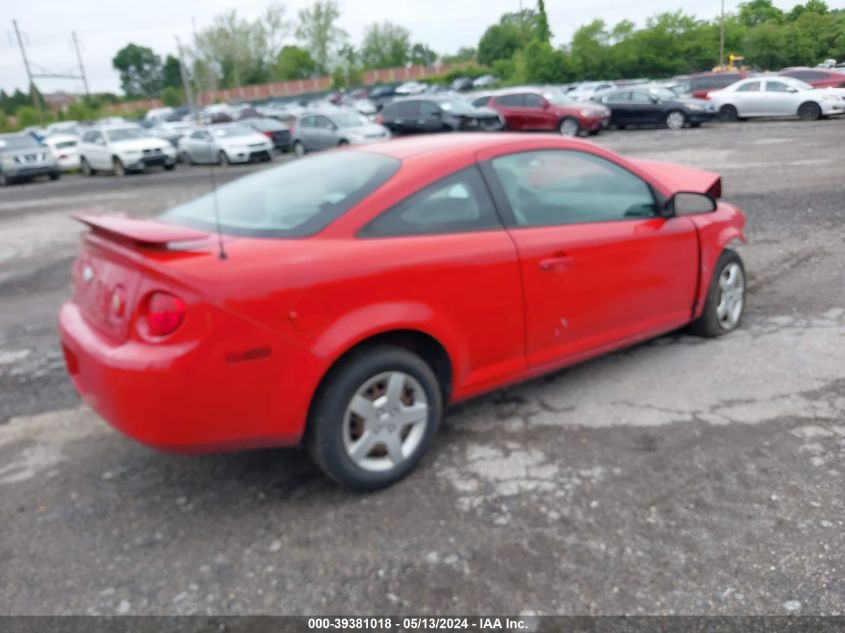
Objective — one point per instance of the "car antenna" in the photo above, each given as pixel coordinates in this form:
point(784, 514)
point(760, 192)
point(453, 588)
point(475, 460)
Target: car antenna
point(221, 252)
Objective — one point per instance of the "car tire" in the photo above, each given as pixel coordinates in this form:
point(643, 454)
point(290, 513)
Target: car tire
point(55, 175)
point(728, 113)
point(726, 295)
point(169, 167)
point(85, 168)
point(809, 111)
point(5, 181)
point(676, 120)
point(569, 126)
point(695, 125)
point(118, 167)
point(185, 158)
point(223, 159)
point(343, 143)
point(391, 448)
point(298, 149)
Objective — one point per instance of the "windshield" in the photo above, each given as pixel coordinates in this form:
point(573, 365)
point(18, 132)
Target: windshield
point(126, 133)
point(293, 200)
point(348, 119)
point(557, 98)
point(18, 142)
point(228, 131)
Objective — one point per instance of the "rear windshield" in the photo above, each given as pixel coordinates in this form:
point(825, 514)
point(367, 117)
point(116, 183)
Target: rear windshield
point(296, 199)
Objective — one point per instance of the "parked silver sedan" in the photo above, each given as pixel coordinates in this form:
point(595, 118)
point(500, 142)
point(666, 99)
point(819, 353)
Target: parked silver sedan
point(223, 144)
point(332, 128)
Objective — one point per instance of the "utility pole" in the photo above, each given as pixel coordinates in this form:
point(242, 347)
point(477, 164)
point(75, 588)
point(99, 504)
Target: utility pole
point(186, 82)
point(81, 67)
point(722, 39)
point(32, 90)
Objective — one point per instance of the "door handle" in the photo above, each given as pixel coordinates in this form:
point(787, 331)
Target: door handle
point(557, 263)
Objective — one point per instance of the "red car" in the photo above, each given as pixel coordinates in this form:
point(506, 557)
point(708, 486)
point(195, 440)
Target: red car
point(526, 110)
point(816, 77)
point(349, 297)
point(700, 85)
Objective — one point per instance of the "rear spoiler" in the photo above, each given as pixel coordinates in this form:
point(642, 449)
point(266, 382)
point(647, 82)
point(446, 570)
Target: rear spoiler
point(139, 231)
point(677, 178)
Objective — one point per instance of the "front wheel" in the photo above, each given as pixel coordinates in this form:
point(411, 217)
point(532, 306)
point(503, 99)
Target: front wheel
point(55, 175)
point(86, 168)
point(223, 159)
point(728, 113)
point(299, 149)
point(725, 303)
point(810, 111)
point(569, 127)
point(374, 418)
point(118, 168)
point(676, 120)
point(169, 167)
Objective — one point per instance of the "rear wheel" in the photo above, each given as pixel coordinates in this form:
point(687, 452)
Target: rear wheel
point(725, 303)
point(118, 168)
point(374, 418)
point(569, 127)
point(299, 149)
point(676, 120)
point(54, 175)
point(169, 167)
point(809, 111)
point(728, 113)
point(86, 168)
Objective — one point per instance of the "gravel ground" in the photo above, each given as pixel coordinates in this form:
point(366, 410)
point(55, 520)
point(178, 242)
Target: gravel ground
point(679, 476)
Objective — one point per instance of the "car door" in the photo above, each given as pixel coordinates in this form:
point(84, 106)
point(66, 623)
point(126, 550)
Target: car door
point(644, 110)
point(538, 115)
point(194, 146)
point(511, 107)
point(445, 247)
point(600, 268)
point(749, 99)
point(407, 115)
point(100, 155)
point(305, 132)
point(780, 98)
point(431, 118)
point(621, 108)
point(323, 132)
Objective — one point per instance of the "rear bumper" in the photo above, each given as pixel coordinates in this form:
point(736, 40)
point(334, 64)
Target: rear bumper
point(181, 398)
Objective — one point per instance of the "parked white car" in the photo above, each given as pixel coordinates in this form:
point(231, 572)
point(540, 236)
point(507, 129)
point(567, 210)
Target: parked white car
point(411, 88)
point(65, 149)
point(123, 148)
point(586, 90)
point(223, 144)
point(776, 96)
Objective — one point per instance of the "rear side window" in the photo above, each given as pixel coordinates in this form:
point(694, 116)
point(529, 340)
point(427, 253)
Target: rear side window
point(569, 187)
point(459, 203)
point(513, 101)
point(296, 199)
point(776, 86)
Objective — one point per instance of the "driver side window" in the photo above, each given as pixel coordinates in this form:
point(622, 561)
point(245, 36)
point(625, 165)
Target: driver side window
point(571, 187)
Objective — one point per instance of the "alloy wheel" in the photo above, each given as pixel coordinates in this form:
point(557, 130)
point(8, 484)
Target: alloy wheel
point(569, 127)
point(385, 421)
point(675, 120)
point(731, 296)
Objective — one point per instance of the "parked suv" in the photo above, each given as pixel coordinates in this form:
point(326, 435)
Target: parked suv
point(123, 148)
point(24, 158)
point(527, 109)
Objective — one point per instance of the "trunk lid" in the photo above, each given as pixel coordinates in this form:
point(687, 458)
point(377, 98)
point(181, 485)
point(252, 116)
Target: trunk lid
point(109, 270)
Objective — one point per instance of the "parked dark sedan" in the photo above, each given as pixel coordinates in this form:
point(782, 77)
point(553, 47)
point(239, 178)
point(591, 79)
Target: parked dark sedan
point(434, 113)
point(272, 129)
point(655, 106)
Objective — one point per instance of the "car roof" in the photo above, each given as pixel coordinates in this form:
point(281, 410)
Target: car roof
point(464, 145)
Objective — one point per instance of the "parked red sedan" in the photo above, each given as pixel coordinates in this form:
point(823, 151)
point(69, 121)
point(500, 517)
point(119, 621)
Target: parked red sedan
point(816, 77)
point(527, 109)
point(349, 297)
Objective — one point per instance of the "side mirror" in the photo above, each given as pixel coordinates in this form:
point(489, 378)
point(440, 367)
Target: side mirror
point(689, 203)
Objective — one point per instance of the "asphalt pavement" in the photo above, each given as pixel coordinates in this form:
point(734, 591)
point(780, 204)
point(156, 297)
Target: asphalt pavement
point(682, 476)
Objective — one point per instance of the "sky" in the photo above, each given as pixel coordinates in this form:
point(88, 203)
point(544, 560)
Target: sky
point(105, 26)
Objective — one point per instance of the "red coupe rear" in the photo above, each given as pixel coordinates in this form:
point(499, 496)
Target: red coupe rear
point(350, 296)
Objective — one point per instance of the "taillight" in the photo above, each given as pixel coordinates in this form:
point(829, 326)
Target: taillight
point(380, 119)
point(165, 313)
point(268, 134)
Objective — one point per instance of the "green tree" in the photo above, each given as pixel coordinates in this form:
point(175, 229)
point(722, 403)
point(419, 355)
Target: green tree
point(320, 34)
point(171, 73)
point(499, 41)
point(756, 12)
point(27, 116)
point(173, 96)
point(140, 71)
point(385, 45)
point(542, 32)
point(294, 62)
point(422, 55)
